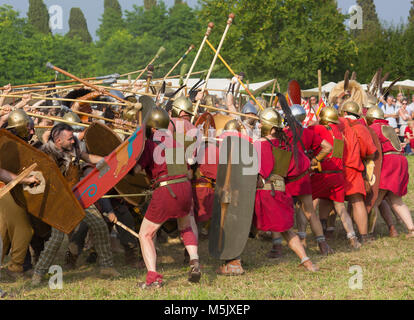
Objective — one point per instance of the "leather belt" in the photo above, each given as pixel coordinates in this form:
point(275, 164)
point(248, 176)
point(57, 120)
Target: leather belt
point(277, 185)
point(298, 177)
point(168, 183)
point(330, 171)
point(393, 152)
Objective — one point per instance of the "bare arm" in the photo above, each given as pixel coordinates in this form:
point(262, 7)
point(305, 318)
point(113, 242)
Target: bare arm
point(7, 176)
point(6, 91)
point(90, 158)
point(230, 103)
point(25, 100)
point(326, 149)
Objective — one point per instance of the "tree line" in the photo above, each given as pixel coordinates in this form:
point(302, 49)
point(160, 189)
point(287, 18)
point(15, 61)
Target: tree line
point(269, 38)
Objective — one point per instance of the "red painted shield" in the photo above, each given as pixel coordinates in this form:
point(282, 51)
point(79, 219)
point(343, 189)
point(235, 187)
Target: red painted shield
point(113, 168)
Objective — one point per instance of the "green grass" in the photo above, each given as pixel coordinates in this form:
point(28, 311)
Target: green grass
point(387, 265)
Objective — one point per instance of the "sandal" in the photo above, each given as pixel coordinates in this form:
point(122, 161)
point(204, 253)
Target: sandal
point(232, 268)
point(275, 252)
point(195, 272)
point(153, 285)
point(410, 233)
point(309, 266)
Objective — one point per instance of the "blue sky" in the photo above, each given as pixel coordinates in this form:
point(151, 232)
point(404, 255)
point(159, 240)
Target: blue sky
point(388, 11)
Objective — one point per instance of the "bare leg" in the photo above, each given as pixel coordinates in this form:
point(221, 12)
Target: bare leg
point(347, 223)
point(146, 235)
point(310, 214)
point(386, 213)
point(402, 210)
point(296, 246)
point(184, 223)
point(360, 214)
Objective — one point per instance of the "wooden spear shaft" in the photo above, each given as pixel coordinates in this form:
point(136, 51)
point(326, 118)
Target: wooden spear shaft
point(90, 85)
point(124, 227)
point(69, 122)
point(179, 61)
point(63, 99)
point(229, 22)
point(234, 74)
point(160, 51)
point(273, 92)
point(207, 34)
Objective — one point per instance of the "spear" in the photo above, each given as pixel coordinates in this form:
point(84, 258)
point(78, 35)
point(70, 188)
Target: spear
point(159, 52)
point(64, 99)
point(233, 73)
point(111, 76)
point(206, 35)
point(90, 85)
point(57, 119)
point(179, 61)
point(229, 22)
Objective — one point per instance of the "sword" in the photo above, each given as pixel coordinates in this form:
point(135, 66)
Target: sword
point(124, 227)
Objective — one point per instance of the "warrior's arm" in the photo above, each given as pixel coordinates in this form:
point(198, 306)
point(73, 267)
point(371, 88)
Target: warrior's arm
point(25, 100)
point(7, 176)
point(90, 158)
point(326, 149)
point(6, 91)
point(230, 103)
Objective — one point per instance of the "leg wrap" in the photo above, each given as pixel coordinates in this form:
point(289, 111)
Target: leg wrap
point(153, 276)
point(188, 237)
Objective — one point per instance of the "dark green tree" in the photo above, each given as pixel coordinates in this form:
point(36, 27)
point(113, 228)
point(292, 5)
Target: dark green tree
point(149, 4)
point(411, 15)
point(301, 38)
point(78, 26)
point(370, 16)
point(38, 16)
point(111, 20)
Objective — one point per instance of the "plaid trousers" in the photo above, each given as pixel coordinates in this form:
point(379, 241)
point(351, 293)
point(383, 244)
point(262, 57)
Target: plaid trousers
point(101, 241)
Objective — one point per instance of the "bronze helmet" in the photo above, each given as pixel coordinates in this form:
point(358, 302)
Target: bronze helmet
point(373, 114)
point(328, 115)
point(372, 101)
point(350, 107)
point(270, 118)
point(157, 118)
point(182, 104)
point(73, 117)
point(298, 112)
point(233, 125)
point(19, 121)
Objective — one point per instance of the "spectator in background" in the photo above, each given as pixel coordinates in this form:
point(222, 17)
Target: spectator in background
point(404, 116)
point(409, 135)
point(391, 112)
point(410, 107)
point(400, 97)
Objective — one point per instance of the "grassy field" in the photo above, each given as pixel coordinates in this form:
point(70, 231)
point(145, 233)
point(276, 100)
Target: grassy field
point(387, 270)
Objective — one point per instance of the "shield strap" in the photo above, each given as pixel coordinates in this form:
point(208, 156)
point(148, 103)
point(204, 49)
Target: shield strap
point(282, 160)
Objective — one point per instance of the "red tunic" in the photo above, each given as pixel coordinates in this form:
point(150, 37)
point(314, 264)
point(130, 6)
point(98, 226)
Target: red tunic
point(330, 183)
point(303, 185)
point(207, 159)
point(163, 205)
point(354, 182)
point(394, 172)
point(272, 213)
